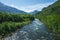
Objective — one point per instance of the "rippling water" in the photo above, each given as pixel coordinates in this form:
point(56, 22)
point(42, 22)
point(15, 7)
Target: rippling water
point(34, 31)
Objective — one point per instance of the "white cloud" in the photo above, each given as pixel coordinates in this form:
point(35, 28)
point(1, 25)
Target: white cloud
point(14, 6)
point(33, 7)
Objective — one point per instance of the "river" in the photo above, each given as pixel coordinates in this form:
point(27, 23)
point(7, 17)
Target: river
point(33, 31)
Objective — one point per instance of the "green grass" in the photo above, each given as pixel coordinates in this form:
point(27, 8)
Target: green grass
point(8, 27)
point(11, 22)
point(52, 21)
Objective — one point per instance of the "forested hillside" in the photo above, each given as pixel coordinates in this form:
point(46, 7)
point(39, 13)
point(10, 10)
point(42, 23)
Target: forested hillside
point(51, 17)
point(11, 22)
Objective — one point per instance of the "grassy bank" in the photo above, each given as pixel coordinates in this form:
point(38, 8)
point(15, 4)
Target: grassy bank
point(11, 22)
point(52, 21)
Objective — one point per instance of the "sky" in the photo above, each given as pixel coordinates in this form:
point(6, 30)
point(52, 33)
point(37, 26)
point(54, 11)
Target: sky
point(28, 5)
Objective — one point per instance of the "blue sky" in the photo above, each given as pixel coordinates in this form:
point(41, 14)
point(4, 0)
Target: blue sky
point(28, 5)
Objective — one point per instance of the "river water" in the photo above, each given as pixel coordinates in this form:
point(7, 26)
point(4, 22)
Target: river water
point(33, 31)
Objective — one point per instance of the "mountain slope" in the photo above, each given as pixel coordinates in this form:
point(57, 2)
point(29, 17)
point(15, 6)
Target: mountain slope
point(50, 16)
point(54, 8)
point(5, 8)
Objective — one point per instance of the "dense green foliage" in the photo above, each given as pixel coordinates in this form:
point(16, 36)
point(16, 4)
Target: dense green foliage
point(51, 17)
point(11, 22)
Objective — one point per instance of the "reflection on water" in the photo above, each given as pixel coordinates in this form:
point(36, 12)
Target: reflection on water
point(34, 31)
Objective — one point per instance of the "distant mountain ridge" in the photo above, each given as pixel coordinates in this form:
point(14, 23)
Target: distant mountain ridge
point(34, 12)
point(5, 8)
